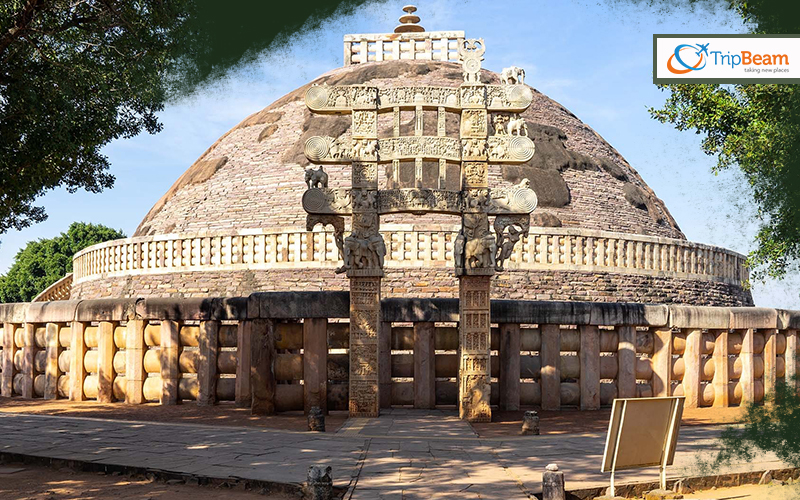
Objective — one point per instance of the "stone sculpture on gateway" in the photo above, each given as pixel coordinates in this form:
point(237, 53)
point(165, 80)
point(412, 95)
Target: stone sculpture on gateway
point(477, 252)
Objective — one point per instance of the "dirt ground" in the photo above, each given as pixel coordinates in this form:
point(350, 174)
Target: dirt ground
point(749, 492)
point(504, 423)
point(37, 482)
point(509, 423)
point(189, 413)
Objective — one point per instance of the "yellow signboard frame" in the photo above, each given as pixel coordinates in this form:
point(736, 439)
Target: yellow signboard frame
point(642, 432)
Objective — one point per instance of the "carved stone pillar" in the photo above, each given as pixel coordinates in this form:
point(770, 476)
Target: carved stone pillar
point(474, 379)
point(364, 251)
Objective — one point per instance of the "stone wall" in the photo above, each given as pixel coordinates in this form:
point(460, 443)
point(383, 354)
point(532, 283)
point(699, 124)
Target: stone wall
point(428, 283)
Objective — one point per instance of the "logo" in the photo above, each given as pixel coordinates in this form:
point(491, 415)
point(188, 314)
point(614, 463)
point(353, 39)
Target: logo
point(684, 52)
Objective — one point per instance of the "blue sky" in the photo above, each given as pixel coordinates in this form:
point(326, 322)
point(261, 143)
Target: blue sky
point(595, 58)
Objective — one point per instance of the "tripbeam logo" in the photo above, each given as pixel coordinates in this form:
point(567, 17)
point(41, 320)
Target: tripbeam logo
point(696, 55)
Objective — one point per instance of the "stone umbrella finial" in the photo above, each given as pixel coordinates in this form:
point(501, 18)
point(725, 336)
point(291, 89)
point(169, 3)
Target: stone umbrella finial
point(409, 21)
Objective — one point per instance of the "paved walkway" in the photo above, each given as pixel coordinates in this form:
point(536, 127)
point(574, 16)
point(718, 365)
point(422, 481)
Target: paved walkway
point(405, 454)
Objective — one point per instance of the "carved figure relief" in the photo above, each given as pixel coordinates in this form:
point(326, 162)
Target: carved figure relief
point(512, 76)
point(474, 148)
point(499, 122)
point(518, 226)
point(364, 248)
point(473, 123)
point(365, 123)
point(364, 149)
point(517, 125)
point(316, 178)
point(364, 199)
point(475, 174)
point(475, 247)
point(365, 96)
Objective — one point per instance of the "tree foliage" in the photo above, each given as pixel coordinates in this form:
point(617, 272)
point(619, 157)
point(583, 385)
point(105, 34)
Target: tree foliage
point(771, 427)
point(43, 262)
point(77, 74)
point(757, 128)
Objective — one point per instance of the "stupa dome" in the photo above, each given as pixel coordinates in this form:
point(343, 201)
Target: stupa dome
point(233, 223)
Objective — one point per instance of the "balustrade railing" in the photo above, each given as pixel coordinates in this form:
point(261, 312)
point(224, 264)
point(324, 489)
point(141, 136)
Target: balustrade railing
point(541, 249)
point(544, 354)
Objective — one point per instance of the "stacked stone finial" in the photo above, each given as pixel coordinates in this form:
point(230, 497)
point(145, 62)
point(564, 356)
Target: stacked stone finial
point(409, 21)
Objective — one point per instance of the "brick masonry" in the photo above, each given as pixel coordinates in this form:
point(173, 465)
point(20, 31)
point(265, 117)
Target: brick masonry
point(442, 283)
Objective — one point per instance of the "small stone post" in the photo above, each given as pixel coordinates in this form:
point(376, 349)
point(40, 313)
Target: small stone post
point(9, 349)
point(319, 485)
point(553, 483)
point(530, 424)
point(207, 372)
point(51, 371)
point(316, 419)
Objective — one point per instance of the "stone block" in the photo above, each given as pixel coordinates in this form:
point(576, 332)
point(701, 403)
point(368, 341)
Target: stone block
point(197, 309)
point(699, 317)
point(14, 312)
point(550, 312)
point(106, 310)
point(753, 317)
point(294, 305)
point(61, 311)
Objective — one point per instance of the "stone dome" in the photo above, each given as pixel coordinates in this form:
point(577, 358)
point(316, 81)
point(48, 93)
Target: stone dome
point(252, 177)
point(233, 223)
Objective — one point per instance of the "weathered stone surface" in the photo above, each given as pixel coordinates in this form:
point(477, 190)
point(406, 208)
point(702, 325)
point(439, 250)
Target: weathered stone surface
point(61, 311)
point(106, 310)
point(753, 317)
point(541, 218)
point(549, 185)
point(788, 319)
point(635, 196)
point(695, 316)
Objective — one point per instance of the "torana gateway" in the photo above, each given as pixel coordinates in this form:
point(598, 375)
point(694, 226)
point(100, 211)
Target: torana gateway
point(407, 230)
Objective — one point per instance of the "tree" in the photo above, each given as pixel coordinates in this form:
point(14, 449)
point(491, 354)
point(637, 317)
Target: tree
point(771, 427)
point(757, 128)
point(77, 74)
point(41, 263)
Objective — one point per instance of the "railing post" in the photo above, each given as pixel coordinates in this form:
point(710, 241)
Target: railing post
point(105, 362)
point(626, 359)
point(791, 358)
point(243, 335)
point(692, 364)
point(509, 377)
point(51, 370)
point(170, 371)
point(748, 370)
point(134, 361)
point(28, 355)
point(662, 362)
point(9, 350)
point(385, 364)
point(770, 360)
point(262, 369)
point(424, 366)
point(721, 369)
point(207, 371)
point(77, 370)
point(590, 367)
point(551, 367)
point(315, 364)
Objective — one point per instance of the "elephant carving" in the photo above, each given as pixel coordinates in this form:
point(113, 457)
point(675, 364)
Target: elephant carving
point(481, 252)
point(316, 178)
point(517, 125)
point(512, 76)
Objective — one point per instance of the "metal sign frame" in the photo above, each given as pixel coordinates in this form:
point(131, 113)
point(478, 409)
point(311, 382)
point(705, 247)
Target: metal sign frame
point(632, 419)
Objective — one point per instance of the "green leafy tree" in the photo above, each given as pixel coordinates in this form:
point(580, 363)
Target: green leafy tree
point(771, 427)
point(77, 74)
point(43, 262)
point(757, 129)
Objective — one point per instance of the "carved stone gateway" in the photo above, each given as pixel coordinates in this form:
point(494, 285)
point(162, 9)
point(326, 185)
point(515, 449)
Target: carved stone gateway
point(477, 252)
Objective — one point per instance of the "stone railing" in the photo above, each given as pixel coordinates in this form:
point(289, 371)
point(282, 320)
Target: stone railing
point(287, 351)
point(429, 46)
point(542, 249)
